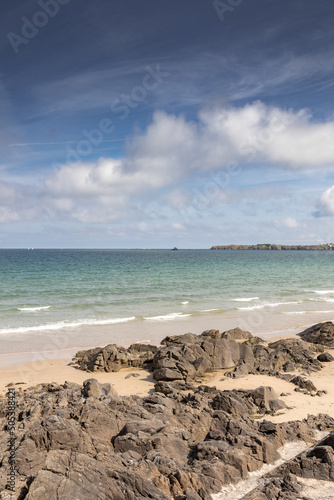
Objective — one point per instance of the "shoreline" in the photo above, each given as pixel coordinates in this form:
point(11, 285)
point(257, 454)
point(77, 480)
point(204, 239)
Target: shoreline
point(60, 344)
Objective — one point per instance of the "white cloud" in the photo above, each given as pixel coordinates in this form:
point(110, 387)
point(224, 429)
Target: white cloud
point(289, 223)
point(172, 151)
point(326, 203)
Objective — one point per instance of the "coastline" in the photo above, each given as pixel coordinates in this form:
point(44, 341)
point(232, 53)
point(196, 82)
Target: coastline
point(46, 345)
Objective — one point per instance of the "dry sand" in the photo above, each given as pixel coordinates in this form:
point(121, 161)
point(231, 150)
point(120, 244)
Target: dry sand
point(299, 405)
point(30, 374)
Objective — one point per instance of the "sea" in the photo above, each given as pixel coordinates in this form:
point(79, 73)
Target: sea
point(90, 297)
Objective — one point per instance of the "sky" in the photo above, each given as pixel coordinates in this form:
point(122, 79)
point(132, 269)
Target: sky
point(150, 124)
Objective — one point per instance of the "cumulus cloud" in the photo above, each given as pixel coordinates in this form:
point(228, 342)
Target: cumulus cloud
point(326, 203)
point(173, 150)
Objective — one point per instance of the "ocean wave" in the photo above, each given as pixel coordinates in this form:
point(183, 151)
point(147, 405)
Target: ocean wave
point(209, 310)
point(64, 324)
point(185, 302)
point(309, 312)
point(246, 299)
point(33, 309)
point(167, 317)
point(268, 304)
point(323, 292)
point(323, 299)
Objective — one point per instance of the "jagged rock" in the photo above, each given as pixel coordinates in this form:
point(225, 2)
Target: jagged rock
point(294, 351)
point(321, 333)
point(101, 446)
point(325, 357)
point(188, 357)
point(180, 360)
point(303, 383)
point(285, 483)
point(114, 357)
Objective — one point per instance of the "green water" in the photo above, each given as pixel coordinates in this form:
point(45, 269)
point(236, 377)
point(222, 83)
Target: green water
point(56, 289)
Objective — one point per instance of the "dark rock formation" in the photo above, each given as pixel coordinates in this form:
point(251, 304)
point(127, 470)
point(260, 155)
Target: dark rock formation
point(285, 482)
point(92, 387)
point(274, 246)
point(114, 357)
point(322, 333)
point(74, 442)
point(325, 357)
point(189, 356)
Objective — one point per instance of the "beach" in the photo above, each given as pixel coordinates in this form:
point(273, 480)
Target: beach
point(44, 371)
point(193, 392)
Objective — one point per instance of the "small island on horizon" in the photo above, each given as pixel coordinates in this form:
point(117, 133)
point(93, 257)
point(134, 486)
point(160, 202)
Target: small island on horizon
point(273, 246)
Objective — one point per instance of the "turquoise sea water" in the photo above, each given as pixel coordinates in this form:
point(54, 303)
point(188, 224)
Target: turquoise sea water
point(56, 289)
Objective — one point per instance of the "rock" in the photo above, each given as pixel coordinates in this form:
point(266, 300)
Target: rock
point(321, 333)
point(285, 482)
point(293, 354)
point(130, 375)
point(266, 399)
point(113, 357)
point(189, 356)
point(77, 442)
point(304, 384)
point(91, 387)
point(325, 357)
point(236, 334)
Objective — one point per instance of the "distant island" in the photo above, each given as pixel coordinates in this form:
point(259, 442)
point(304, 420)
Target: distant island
point(272, 246)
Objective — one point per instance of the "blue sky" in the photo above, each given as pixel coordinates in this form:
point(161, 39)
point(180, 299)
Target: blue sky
point(153, 124)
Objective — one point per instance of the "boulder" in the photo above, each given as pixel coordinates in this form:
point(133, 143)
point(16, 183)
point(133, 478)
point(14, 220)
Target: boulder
point(325, 357)
point(187, 361)
point(321, 333)
point(112, 357)
point(91, 387)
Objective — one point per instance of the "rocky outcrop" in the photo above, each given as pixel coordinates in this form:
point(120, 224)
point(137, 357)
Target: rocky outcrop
point(274, 246)
point(114, 357)
point(87, 442)
point(189, 356)
point(286, 482)
point(322, 333)
point(186, 358)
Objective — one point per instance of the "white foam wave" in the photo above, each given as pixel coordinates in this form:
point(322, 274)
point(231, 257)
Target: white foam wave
point(323, 292)
point(309, 312)
point(268, 304)
point(64, 324)
point(245, 299)
point(209, 310)
point(33, 309)
point(185, 302)
point(322, 299)
point(167, 317)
